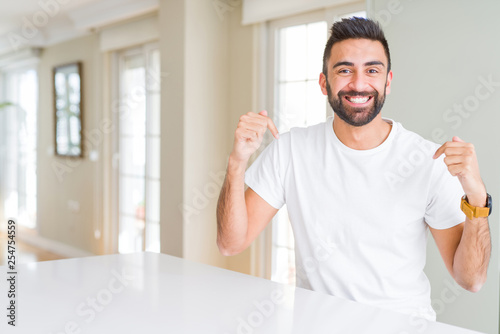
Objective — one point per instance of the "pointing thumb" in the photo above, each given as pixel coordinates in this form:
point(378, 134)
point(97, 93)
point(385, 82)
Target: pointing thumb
point(456, 139)
point(263, 113)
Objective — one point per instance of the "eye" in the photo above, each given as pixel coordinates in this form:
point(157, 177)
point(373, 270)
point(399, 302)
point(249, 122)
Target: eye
point(345, 71)
point(372, 71)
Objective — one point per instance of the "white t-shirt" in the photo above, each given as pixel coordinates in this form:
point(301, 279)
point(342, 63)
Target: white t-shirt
point(360, 217)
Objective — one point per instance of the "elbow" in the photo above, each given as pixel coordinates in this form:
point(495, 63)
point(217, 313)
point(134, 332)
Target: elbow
point(474, 286)
point(226, 250)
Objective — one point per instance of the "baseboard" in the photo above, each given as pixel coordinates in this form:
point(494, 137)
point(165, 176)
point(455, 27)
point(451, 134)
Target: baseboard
point(53, 246)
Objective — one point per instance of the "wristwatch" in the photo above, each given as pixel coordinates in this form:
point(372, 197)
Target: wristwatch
point(475, 211)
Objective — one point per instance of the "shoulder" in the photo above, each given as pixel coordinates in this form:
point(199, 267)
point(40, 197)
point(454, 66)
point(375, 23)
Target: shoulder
point(298, 140)
point(306, 136)
point(410, 141)
point(418, 152)
point(312, 130)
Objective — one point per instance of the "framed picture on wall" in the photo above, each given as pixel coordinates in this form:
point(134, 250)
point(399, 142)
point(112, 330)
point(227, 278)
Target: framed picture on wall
point(68, 109)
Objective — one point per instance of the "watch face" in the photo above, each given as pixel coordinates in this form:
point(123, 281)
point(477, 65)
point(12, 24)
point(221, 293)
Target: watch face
point(489, 203)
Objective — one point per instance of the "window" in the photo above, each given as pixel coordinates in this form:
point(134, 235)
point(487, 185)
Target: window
point(296, 46)
point(300, 102)
point(18, 123)
point(137, 150)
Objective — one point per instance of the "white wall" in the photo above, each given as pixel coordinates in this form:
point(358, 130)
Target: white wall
point(203, 50)
point(205, 114)
point(242, 68)
point(197, 47)
point(60, 179)
point(172, 50)
point(440, 50)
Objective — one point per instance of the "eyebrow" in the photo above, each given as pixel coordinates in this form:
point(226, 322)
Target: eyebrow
point(348, 63)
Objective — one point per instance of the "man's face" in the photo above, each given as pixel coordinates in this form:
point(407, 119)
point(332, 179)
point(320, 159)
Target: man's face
point(357, 80)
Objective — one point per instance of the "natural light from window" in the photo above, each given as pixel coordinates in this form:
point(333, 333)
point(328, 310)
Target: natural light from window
point(298, 103)
point(19, 146)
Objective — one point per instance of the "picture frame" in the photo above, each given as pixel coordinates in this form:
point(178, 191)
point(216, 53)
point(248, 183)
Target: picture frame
point(68, 107)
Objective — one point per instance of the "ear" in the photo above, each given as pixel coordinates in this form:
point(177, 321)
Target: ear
point(322, 83)
point(388, 84)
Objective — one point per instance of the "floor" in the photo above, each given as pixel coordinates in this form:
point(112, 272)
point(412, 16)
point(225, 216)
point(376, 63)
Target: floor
point(25, 253)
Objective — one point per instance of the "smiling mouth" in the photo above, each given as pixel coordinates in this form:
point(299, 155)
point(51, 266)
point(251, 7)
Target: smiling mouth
point(358, 99)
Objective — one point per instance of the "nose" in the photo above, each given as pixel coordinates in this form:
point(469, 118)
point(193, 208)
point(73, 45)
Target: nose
point(358, 82)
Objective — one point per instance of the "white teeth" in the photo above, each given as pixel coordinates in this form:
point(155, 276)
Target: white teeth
point(358, 99)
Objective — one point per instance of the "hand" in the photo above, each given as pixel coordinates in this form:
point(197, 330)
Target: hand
point(249, 134)
point(460, 157)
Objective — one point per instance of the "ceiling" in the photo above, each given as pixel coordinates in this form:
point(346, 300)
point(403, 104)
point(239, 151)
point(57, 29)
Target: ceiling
point(40, 23)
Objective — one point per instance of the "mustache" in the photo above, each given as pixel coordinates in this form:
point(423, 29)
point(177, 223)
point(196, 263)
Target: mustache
point(356, 93)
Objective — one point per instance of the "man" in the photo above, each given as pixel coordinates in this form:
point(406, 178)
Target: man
point(361, 190)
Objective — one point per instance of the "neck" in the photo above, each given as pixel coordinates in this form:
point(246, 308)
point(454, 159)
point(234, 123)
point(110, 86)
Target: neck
point(363, 137)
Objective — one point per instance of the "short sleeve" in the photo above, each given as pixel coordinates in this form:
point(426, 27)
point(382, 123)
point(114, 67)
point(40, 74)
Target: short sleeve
point(263, 176)
point(443, 204)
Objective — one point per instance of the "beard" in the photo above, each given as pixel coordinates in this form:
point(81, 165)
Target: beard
point(355, 116)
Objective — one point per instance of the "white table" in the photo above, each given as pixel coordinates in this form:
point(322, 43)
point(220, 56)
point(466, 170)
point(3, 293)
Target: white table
point(157, 293)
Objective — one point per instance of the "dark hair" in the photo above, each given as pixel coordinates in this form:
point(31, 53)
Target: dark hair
point(355, 27)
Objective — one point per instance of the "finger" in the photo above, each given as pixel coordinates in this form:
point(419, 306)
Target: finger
point(448, 144)
point(457, 139)
point(439, 151)
point(258, 121)
point(456, 169)
point(272, 128)
point(252, 126)
point(246, 134)
point(453, 160)
point(450, 151)
point(260, 118)
point(269, 123)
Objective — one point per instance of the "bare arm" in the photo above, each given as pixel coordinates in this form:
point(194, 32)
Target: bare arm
point(242, 215)
point(465, 248)
point(473, 254)
point(232, 219)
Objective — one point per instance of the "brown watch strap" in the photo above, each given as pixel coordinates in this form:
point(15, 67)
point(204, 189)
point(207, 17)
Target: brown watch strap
point(473, 211)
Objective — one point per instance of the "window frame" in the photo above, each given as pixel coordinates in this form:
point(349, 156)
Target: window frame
point(117, 58)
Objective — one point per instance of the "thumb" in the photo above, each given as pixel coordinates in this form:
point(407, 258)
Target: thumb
point(263, 113)
point(456, 139)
